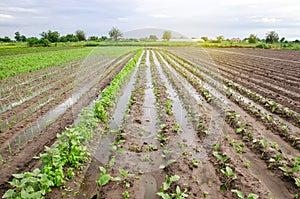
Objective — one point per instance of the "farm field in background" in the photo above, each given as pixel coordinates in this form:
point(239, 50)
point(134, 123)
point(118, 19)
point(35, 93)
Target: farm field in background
point(155, 122)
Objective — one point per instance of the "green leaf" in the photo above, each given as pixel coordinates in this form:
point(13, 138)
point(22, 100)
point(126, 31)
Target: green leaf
point(103, 170)
point(284, 169)
point(174, 178)
point(104, 179)
point(166, 186)
point(9, 194)
point(238, 193)
point(178, 191)
point(297, 182)
point(164, 195)
point(252, 196)
point(216, 154)
point(238, 130)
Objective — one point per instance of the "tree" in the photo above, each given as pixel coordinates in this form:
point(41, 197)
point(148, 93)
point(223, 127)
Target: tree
point(282, 39)
point(103, 38)
point(93, 38)
point(204, 39)
point(272, 37)
point(167, 35)
point(115, 33)
point(80, 35)
point(17, 36)
point(51, 36)
point(153, 38)
point(5, 39)
point(252, 39)
point(220, 38)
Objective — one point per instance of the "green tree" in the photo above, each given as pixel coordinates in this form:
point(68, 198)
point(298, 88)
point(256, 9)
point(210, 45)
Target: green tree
point(51, 36)
point(115, 33)
point(17, 36)
point(282, 39)
point(220, 38)
point(272, 37)
point(93, 38)
point(204, 39)
point(80, 35)
point(167, 35)
point(5, 39)
point(252, 39)
point(153, 38)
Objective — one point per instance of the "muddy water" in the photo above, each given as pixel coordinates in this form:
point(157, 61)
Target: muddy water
point(179, 111)
point(215, 126)
point(149, 118)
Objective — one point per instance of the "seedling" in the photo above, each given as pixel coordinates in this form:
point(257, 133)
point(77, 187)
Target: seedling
point(240, 194)
point(222, 158)
point(103, 177)
point(125, 195)
point(247, 164)
point(230, 177)
point(264, 143)
point(195, 163)
point(166, 186)
point(176, 127)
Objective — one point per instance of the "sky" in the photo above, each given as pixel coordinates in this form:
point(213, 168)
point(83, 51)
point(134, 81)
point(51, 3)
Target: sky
point(193, 18)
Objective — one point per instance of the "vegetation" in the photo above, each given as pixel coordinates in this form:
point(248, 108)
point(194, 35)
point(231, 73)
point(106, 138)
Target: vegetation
point(272, 37)
point(167, 35)
point(115, 33)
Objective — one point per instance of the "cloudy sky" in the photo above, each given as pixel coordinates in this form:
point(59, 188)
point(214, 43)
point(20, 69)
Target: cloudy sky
point(194, 18)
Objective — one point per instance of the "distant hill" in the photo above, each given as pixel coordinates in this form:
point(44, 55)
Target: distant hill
point(146, 32)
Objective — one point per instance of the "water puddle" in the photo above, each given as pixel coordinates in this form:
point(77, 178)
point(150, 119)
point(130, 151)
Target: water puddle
point(179, 111)
point(149, 118)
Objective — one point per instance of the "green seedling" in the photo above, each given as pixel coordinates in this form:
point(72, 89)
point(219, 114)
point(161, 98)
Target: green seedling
point(247, 164)
point(230, 177)
point(222, 158)
point(178, 194)
point(103, 177)
point(176, 127)
point(240, 194)
point(125, 195)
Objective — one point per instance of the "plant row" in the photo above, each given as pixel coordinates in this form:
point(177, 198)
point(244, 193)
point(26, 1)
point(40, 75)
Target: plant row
point(68, 154)
point(269, 104)
point(268, 120)
point(259, 146)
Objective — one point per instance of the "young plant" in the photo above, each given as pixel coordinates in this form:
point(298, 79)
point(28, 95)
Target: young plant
point(230, 177)
point(240, 194)
point(104, 177)
point(164, 190)
point(222, 158)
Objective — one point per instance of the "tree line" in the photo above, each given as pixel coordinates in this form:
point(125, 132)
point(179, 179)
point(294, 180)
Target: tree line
point(115, 34)
point(271, 37)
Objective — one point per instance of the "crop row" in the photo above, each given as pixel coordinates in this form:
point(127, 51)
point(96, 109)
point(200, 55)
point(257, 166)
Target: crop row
point(269, 104)
point(278, 127)
point(69, 152)
point(287, 167)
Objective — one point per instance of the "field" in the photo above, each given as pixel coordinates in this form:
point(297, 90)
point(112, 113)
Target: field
point(155, 122)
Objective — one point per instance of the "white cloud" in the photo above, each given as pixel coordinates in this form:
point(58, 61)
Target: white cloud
point(6, 17)
point(18, 9)
point(159, 16)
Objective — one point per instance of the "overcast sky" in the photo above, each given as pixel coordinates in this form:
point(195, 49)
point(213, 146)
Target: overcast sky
point(194, 18)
